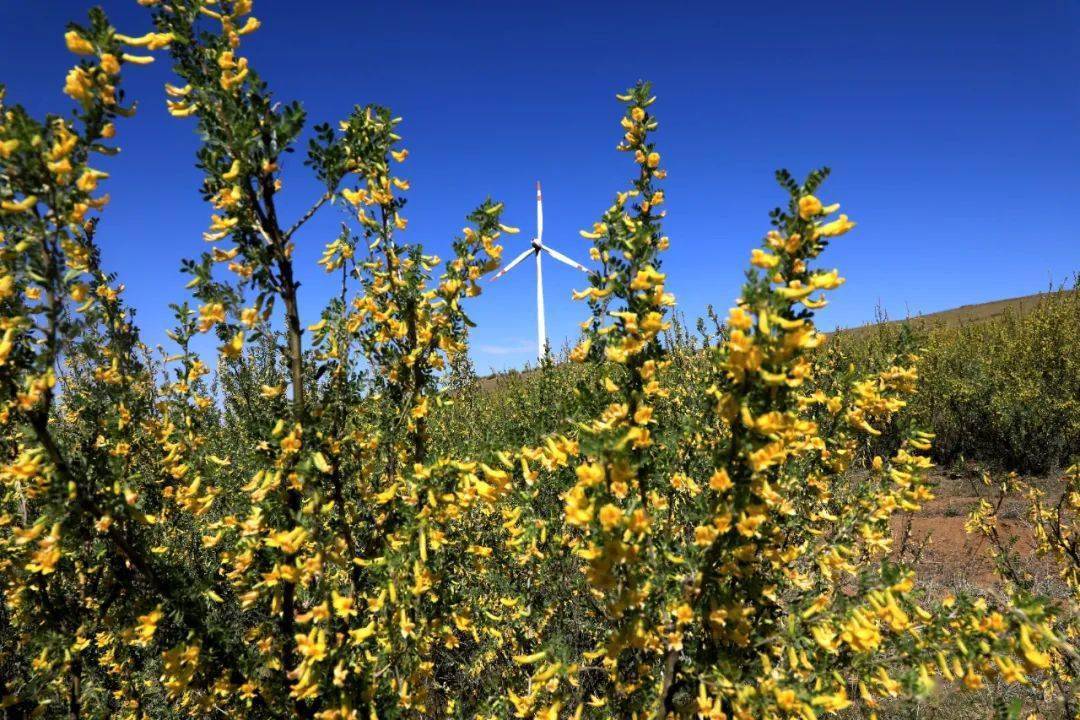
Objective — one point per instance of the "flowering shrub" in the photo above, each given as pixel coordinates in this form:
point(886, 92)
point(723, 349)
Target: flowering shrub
point(317, 542)
point(1053, 523)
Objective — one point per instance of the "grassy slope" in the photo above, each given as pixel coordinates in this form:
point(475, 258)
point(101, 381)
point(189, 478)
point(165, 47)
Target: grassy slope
point(978, 312)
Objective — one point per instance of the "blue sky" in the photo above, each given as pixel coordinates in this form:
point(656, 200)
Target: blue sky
point(951, 128)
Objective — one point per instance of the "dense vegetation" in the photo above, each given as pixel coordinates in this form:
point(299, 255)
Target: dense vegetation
point(1003, 391)
point(342, 522)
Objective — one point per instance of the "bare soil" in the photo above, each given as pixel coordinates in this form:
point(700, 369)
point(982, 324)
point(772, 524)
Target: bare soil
point(948, 557)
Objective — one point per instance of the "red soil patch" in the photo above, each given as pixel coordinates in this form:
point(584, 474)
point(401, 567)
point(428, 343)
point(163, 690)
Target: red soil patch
point(948, 556)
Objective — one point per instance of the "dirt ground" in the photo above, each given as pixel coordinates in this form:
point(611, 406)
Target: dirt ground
point(946, 555)
point(948, 559)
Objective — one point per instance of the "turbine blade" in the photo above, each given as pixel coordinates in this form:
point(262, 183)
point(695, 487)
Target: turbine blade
point(539, 213)
point(563, 259)
point(511, 266)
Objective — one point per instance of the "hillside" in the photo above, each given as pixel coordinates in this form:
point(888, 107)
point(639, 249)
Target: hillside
point(977, 312)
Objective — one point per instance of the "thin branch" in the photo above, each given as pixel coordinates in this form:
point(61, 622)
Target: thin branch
point(308, 215)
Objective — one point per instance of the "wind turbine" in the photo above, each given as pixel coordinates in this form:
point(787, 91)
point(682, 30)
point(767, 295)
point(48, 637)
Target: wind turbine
point(537, 246)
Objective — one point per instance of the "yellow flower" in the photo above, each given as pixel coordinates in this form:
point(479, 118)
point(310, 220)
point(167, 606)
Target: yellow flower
point(1035, 658)
point(77, 44)
point(1010, 670)
point(78, 85)
point(251, 25)
point(646, 279)
point(209, 315)
point(110, 64)
point(721, 481)
point(760, 258)
point(581, 352)
point(151, 40)
point(610, 517)
point(60, 168)
point(359, 635)
point(590, 474)
point(786, 699)
point(288, 541)
point(354, 197)
point(861, 633)
point(148, 626)
point(233, 172)
point(739, 319)
point(530, 659)
point(826, 280)
point(344, 605)
point(615, 354)
point(809, 206)
point(180, 109)
point(313, 645)
point(88, 181)
point(749, 523)
point(825, 637)
point(578, 509)
point(174, 91)
point(12, 206)
point(832, 703)
point(836, 228)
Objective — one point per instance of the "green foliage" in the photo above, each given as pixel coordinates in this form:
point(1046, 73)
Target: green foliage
point(1005, 390)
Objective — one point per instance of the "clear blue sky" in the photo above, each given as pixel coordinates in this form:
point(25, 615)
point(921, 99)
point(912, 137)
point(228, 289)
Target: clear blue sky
point(953, 130)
